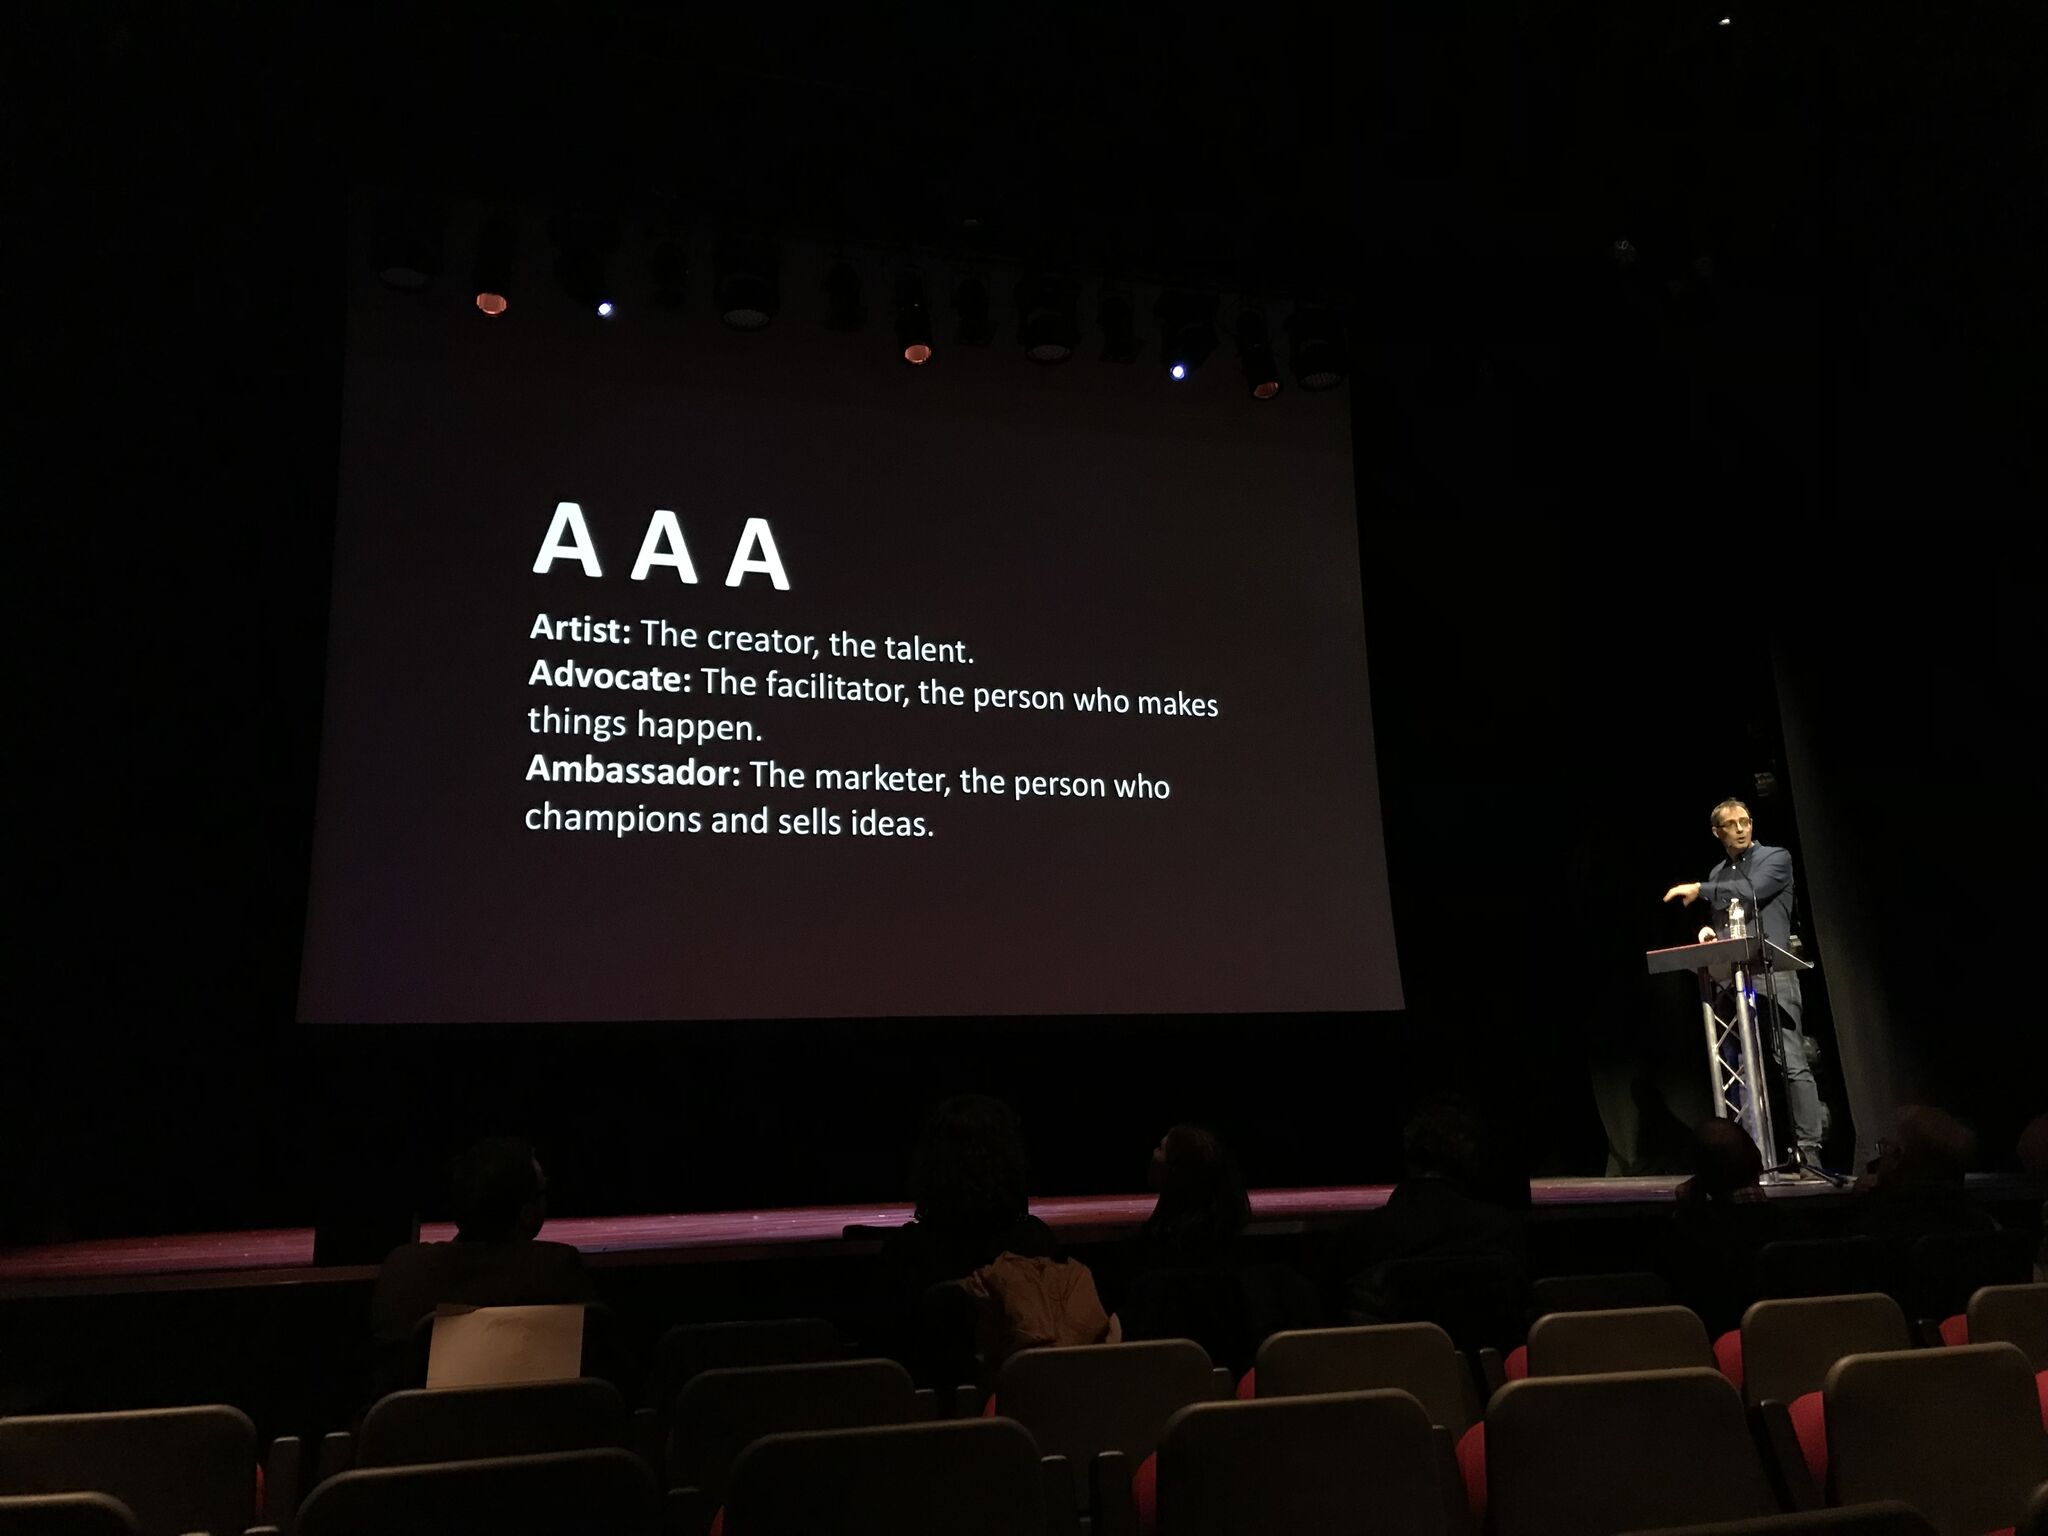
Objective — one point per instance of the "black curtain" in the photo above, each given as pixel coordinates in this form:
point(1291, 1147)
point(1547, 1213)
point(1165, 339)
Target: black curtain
point(1912, 664)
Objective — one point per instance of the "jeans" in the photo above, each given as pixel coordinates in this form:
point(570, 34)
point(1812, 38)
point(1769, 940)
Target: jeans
point(1802, 1093)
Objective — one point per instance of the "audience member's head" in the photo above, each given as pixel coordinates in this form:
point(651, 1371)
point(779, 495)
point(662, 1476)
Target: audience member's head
point(1927, 1147)
point(969, 1168)
point(1445, 1140)
point(2033, 1149)
point(1725, 1162)
point(1202, 1205)
point(500, 1193)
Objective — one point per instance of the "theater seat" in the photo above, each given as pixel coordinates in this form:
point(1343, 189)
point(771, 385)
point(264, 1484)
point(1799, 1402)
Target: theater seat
point(1886, 1518)
point(1728, 1357)
point(475, 1423)
point(1945, 1269)
point(1956, 1433)
point(685, 1351)
point(1568, 1455)
point(1346, 1464)
point(1824, 1266)
point(1808, 1413)
point(65, 1514)
point(176, 1469)
point(978, 1475)
point(1417, 1358)
point(569, 1493)
point(1084, 1401)
point(719, 1413)
point(1471, 1458)
point(1598, 1293)
point(1788, 1346)
point(2012, 1314)
point(1625, 1339)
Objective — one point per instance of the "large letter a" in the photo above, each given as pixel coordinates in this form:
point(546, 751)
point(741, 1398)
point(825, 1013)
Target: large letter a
point(567, 539)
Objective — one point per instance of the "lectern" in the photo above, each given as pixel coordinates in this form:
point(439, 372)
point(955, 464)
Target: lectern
point(1737, 1055)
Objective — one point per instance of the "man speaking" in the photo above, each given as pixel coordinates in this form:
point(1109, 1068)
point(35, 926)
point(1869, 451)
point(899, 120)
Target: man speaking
point(1760, 877)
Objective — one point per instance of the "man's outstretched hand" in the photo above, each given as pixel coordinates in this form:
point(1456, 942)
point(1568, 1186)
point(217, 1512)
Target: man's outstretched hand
point(1685, 893)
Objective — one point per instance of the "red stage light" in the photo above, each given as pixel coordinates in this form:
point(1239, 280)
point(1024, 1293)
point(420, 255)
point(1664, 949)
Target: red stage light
point(1265, 389)
point(492, 303)
point(917, 352)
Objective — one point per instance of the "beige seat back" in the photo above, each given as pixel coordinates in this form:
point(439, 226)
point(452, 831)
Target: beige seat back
point(1956, 1433)
point(1348, 1464)
point(1417, 1358)
point(177, 1469)
point(1788, 1346)
point(1622, 1339)
point(1571, 1455)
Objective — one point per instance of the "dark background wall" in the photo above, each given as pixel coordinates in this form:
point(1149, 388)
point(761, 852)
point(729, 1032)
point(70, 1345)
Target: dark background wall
point(1596, 486)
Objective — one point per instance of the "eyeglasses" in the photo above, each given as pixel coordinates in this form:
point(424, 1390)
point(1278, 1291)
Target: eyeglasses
point(1732, 821)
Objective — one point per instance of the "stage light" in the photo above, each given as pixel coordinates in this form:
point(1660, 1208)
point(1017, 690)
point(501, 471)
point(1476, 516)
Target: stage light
point(844, 310)
point(405, 238)
point(748, 282)
point(1187, 331)
point(913, 318)
point(1317, 338)
point(1116, 317)
point(583, 247)
point(973, 326)
point(1048, 322)
point(496, 246)
point(668, 265)
point(582, 276)
point(1255, 352)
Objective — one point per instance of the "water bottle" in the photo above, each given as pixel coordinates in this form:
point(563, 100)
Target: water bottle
point(1738, 924)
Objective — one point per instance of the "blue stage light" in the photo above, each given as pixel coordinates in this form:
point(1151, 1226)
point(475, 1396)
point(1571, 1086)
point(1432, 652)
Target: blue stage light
point(604, 308)
point(1187, 331)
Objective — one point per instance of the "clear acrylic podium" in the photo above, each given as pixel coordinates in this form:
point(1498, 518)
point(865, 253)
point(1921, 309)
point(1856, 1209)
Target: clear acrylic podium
point(1738, 1057)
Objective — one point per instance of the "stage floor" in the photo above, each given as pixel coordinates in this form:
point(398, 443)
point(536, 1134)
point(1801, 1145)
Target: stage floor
point(285, 1255)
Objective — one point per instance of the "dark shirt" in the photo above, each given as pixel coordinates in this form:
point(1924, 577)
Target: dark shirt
point(1427, 1218)
point(1436, 1218)
point(418, 1277)
point(1761, 876)
point(1707, 1250)
point(919, 1255)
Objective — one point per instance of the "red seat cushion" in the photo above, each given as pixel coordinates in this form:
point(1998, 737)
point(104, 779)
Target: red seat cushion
point(717, 1522)
point(1472, 1467)
point(1728, 1356)
point(1810, 1424)
point(2041, 1386)
point(1145, 1494)
point(1956, 1330)
point(1249, 1387)
point(1517, 1363)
